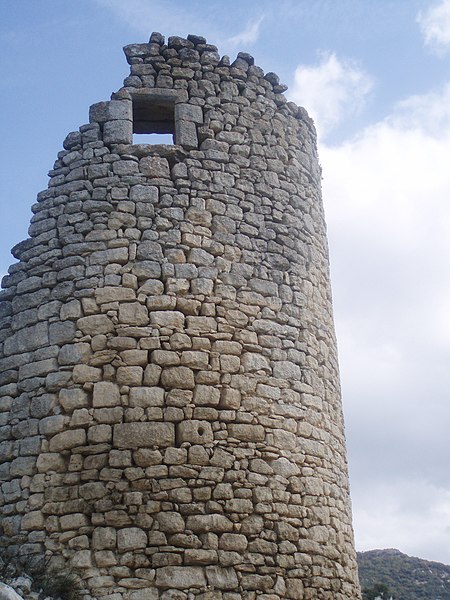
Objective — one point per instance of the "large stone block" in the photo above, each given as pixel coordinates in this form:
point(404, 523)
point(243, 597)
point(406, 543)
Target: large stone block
point(214, 523)
point(26, 339)
point(178, 377)
point(167, 318)
point(95, 324)
point(143, 435)
point(180, 577)
point(105, 393)
point(147, 396)
point(247, 433)
point(110, 111)
point(133, 313)
point(131, 538)
point(222, 578)
point(67, 440)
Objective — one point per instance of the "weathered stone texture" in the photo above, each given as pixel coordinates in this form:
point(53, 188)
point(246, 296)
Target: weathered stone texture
point(170, 418)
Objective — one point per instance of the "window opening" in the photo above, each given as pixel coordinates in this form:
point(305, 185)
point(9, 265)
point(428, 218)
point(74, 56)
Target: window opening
point(152, 138)
point(153, 121)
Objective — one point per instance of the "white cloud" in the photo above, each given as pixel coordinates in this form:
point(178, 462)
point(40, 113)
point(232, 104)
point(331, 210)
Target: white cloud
point(435, 26)
point(413, 516)
point(144, 16)
point(331, 91)
point(386, 196)
point(248, 36)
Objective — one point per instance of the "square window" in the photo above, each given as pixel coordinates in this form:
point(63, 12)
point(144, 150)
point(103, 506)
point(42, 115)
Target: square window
point(153, 119)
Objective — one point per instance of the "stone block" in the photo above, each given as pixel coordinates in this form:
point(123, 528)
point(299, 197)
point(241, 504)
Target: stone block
point(214, 523)
point(95, 324)
point(110, 293)
point(233, 542)
point(195, 432)
point(229, 363)
point(67, 440)
point(105, 558)
point(118, 132)
point(51, 425)
point(85, 374)
point(239, 505)
point(186, 134)
point(72, 354)
point(105, 393)
point(147, 396)
point(133, 313)
point(257, 582)
point(33, 520)
point(178, 377)
point(145, 193)
point(294, 589)
point(152, 374)
point(130, 375)
point(200, 557)
point(100, 434)
point(165, 358)
point(38, 368)
point(147, 593)
point(247, 433)
point(154, 166)
point(110, 111)
point(189, 112)
point(27, 339)
point(167, 318)
point(170, 522)
point(143, 435)
point(113, 255)
point(284, 467)
point(61, 332)
point(199, 325)
point(206, 395)
point(180, 577)
point(131, 538)
point(145, 457)
point(72, 399)
point(252, 362)
point(222, 578)
point(73, 521)
point(230, 399)
point(23, 465)
point(285, 369)
point(93, 490)
point(285, 531)
point(81, 560)
point(195, 360)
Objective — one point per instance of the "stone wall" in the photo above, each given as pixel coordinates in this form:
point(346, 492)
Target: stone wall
point(171, 422)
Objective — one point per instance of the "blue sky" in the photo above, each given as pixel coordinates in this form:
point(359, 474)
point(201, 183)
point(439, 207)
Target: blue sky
point(375, 75)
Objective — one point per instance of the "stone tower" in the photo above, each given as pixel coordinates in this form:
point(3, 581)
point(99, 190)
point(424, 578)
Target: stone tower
point(171, 422)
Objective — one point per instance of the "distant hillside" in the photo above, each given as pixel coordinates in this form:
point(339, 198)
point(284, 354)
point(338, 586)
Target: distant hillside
point(406, 577)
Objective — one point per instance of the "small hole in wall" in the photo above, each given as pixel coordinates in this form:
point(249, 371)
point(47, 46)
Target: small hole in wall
point(200, 431)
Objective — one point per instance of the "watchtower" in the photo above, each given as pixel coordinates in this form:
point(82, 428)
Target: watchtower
point(170, 391)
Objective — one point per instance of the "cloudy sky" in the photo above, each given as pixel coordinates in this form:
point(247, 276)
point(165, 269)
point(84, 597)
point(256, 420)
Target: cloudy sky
point(376, 78)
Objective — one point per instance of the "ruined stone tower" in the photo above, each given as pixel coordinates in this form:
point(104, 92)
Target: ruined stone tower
point(171, 422)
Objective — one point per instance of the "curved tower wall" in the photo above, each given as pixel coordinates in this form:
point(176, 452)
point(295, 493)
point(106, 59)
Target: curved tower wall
point(171, 421)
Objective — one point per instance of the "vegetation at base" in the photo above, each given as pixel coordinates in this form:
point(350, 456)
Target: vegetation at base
point(404, 577)
point(45, 579)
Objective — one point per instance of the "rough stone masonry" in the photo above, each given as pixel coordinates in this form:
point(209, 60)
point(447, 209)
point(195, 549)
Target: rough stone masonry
point(170, 422)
